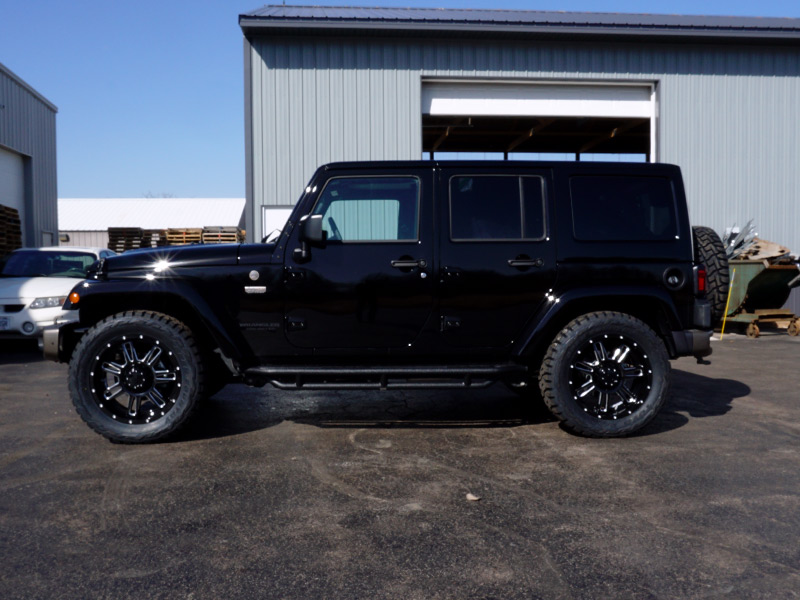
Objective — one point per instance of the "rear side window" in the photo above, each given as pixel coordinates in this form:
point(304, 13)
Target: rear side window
point(623, 208)
point(496, 208)
point(370, 209)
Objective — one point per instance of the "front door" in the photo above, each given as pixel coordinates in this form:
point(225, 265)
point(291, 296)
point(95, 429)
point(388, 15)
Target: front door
point(497, 259)
point(368, 285)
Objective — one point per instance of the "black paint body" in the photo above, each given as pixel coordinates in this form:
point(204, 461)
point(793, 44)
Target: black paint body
point(461, 303)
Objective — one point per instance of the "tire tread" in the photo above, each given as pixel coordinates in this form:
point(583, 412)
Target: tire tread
point(162, 319)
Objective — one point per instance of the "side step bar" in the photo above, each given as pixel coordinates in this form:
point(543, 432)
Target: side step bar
point(380, 377)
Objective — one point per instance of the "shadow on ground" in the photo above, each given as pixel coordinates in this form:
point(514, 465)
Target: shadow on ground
point(238, 409)
point(696, 396)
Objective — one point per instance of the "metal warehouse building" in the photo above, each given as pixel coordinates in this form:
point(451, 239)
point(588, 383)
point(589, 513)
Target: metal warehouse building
point(719, 96)
point(28, 159)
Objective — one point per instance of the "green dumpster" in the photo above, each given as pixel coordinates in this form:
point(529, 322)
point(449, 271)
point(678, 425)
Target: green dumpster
point(758, 290)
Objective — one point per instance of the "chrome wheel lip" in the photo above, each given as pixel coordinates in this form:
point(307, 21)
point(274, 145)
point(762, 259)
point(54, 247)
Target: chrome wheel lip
point(135, 379)
point(610, 376)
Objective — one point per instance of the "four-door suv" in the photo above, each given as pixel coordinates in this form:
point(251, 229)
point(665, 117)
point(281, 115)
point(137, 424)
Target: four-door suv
point(581, 276)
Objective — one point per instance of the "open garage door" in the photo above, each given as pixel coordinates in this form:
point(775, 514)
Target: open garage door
point(521, 118)
point(12, 183)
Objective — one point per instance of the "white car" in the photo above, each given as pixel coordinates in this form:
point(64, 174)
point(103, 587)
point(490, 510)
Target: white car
point(35, 282)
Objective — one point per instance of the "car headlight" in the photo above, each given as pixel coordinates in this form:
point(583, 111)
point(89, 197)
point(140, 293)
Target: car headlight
point(49, 302)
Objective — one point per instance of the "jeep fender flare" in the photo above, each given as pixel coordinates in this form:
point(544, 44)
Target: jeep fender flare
point(102, 298)
point(651, 305)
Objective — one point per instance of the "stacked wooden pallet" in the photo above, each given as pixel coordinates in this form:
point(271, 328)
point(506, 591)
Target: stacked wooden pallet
point(129, 238)
point(154, 238)
point(222, 235)
point(182, 237)
point(10, 230)
point(124, 238)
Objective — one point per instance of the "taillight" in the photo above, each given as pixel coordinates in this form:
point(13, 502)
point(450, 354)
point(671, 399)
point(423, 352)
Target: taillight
point(701, 280)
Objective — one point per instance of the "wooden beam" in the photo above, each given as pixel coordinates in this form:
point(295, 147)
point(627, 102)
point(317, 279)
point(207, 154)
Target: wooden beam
point(529, 134)
point(441, 139)
point(609, 136)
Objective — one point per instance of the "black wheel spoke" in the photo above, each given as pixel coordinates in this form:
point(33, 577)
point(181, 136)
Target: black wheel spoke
point(629, 371)
point(152, 356)
point(112, 368)
point(165, 376)
point(616, 382)
point(112, 391)
point(586, 389)
point(129, 352)
point(621, 353)
point(600, 351)
point(138, 379)
point(134, 403)
point(156, 398)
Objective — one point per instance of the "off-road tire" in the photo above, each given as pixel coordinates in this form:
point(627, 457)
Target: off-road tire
point(563, 375)
point(91, 367)
point(710, 251)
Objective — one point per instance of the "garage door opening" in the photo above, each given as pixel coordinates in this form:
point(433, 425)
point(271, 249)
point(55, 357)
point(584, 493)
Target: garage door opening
point(538, 121)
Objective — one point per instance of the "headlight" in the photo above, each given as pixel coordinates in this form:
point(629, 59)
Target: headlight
point(49, 302)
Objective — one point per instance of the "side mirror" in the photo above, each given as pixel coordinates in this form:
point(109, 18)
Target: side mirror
point(311, 234)
point(311, 229)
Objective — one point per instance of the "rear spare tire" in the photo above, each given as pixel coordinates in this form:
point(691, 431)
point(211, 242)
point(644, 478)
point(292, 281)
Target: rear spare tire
point(710, 251)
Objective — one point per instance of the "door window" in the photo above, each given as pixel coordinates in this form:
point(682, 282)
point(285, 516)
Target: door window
point(496, 208)
point(370, 209)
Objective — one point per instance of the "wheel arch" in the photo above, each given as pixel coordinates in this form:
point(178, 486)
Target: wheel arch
point(650, 306)
point(182, 304)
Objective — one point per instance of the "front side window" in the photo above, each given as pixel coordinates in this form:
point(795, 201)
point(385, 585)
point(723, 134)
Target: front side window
point(370, 209)
point(623, 208)
point(496, 208)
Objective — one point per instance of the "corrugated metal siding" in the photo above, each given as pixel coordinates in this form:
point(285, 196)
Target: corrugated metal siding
point(28, 127)
point(728, 115)
point(86, 239)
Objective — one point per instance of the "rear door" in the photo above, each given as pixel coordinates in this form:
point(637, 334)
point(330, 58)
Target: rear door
point(367, 287)
point(497, 255)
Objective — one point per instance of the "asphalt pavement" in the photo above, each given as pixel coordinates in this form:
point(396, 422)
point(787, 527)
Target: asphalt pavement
point(273, 494)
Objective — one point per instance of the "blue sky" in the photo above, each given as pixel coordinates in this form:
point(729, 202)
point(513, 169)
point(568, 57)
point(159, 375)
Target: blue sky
point(150, 93)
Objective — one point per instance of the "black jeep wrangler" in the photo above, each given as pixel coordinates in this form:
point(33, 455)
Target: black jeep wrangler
point(584, 277)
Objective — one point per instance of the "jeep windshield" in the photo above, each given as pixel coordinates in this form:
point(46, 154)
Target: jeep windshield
point(47, 263)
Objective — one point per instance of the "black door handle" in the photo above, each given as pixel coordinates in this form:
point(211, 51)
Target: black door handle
point(525, 262)
point(409, 264)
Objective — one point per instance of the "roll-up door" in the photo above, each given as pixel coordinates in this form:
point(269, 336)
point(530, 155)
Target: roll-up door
point(487, 116)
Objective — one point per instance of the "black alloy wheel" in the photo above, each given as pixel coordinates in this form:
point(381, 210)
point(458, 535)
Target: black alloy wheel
point(606, 374)
point(610, 377)
point(136, 376)
point(136, 379)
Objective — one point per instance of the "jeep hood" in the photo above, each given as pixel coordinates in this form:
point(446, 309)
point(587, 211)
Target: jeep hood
point(175, 257)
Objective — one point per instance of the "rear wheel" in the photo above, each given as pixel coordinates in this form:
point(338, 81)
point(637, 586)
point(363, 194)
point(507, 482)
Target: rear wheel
point(136, 376)
point(710, 251)
point(605, 375)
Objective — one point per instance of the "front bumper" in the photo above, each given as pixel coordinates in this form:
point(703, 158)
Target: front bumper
point(59, 340)
point(692, 342)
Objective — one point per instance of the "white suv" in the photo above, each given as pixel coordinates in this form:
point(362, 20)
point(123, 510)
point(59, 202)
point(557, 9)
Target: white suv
point(35, 282)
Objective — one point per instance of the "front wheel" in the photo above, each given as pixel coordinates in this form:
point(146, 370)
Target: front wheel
point(136, 376)
point(606, 374)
